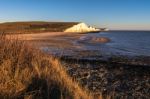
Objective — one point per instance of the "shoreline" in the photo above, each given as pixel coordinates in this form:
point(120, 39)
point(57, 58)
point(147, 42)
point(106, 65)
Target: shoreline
point(33, 36)
point(143, 61)
point(120, 75)
point(65, 40)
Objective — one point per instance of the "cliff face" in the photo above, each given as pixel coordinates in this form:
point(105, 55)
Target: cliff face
point(81, 27)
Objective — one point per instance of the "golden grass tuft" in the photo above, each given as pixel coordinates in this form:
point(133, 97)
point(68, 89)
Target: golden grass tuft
point(28, 73)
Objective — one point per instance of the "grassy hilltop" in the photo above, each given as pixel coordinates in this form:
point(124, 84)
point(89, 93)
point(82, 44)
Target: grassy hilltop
point(34, 27)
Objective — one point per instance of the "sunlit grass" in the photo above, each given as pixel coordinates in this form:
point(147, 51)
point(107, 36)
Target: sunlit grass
point(26, 72)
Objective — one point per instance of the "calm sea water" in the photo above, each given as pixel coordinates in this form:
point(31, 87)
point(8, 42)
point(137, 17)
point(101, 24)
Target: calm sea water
point(132, 43)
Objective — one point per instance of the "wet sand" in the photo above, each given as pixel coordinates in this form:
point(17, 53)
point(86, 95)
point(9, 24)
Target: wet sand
point(39, 36)
point(49, 39)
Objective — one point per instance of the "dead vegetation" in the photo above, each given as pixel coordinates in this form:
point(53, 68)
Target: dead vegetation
point(28, 73)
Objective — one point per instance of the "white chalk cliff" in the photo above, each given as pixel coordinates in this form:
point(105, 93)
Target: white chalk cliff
point(81, 27)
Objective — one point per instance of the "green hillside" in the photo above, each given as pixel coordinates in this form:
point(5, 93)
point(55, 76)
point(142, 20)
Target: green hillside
point(34, 27)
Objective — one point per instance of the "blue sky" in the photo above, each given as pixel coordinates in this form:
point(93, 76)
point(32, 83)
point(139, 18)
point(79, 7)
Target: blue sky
point(114, 14)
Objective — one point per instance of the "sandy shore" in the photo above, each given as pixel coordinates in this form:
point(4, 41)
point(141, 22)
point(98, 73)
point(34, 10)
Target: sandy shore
point(37, 36)
point(50, 40)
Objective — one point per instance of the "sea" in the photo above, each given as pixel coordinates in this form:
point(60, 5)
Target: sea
point(121, 43)
point(129, 43)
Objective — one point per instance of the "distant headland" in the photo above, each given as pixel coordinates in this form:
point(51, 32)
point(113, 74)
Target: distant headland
point(82, 27)
point(39, 27)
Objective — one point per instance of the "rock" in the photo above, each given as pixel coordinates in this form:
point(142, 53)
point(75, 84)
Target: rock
point(129, 82)
point(101, 40)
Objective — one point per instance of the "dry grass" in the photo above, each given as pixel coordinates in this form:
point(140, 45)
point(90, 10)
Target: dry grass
point(28, 73)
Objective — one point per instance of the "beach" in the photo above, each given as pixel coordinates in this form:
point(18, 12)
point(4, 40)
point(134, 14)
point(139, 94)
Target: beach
point(121, 75)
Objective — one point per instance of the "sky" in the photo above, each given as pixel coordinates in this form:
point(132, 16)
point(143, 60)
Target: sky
point(112, 14)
